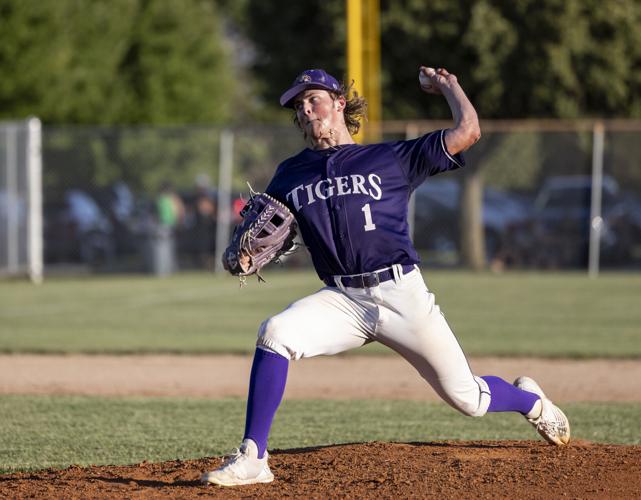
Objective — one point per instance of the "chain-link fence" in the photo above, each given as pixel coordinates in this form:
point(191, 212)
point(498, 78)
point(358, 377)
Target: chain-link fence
point(147, 199)
point(150, 199)
point(540, 206)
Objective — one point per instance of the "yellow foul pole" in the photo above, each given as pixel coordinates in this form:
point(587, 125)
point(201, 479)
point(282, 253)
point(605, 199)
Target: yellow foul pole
point(355, 47)
point(363, 61)
point(372, 71)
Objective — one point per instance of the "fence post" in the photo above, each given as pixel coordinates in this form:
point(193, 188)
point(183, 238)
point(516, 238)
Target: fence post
point(35, 226)
point(224, 196)
point(596, 221)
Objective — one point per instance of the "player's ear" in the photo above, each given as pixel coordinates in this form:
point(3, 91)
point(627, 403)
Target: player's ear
point(339, 103)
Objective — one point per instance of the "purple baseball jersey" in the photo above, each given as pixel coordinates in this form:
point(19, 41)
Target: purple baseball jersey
point(351, 201)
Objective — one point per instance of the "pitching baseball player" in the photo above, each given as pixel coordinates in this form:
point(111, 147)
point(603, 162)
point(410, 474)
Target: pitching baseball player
point(351, 203)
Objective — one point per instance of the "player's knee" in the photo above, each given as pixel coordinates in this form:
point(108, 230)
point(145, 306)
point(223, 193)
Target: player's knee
point(473, 402)
point(274, 334)
point(469, 408)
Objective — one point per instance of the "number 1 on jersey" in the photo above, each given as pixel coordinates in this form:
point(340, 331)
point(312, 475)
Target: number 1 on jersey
point(369, 224)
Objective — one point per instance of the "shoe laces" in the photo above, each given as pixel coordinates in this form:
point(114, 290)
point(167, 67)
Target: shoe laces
point(232, 457)
point(549, 428)
point(550, 421)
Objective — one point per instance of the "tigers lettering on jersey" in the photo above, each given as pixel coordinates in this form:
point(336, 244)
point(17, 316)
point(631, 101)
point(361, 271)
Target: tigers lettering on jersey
point(337, 186)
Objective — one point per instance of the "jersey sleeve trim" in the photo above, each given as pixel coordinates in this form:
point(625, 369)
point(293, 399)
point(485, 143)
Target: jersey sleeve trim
point(447, 153)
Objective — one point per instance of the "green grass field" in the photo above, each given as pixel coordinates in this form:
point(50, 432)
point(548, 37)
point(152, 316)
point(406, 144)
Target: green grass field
point(553, 314)
point(40, 432)
point(561, 315)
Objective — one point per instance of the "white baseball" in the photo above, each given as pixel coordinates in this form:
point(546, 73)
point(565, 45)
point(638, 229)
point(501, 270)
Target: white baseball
point(424, 79)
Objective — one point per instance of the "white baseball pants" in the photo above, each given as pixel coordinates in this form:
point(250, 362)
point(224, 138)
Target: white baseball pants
point(400, 313)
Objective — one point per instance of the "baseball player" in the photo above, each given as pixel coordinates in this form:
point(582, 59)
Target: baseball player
point(351, 203)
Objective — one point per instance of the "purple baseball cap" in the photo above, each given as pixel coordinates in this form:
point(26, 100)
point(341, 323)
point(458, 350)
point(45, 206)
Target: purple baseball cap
point(309, 79)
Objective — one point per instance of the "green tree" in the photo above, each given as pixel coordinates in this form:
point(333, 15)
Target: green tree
point(175, 69)
point(117, 61)
point(292, 36)
point(573, 59)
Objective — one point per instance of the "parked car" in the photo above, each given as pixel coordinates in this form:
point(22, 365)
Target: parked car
point(557, 233)
point(437, 215)
point(77, 230)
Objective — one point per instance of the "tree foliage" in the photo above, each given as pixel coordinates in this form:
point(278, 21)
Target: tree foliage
point(113, 61)
point(166, 61)
point(170, 62)
point(525, 59)
point(292, 36)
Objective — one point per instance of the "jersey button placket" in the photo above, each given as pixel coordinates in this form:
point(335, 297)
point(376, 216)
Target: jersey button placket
point(332, 200)
point(342, 221)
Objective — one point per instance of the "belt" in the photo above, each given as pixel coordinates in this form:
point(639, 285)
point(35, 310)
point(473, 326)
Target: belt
point(367, 280)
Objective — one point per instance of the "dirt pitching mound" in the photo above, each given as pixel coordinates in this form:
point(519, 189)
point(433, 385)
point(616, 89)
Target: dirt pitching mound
point(454, 469)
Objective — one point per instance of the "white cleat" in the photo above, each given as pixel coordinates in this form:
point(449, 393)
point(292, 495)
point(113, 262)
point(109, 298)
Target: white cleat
point(241, 467)
point(552, 423)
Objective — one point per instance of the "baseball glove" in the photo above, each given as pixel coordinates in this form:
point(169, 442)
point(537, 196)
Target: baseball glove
point(265, 234)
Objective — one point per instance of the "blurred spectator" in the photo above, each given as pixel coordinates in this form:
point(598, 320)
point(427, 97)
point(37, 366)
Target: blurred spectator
point(204, 224)
point(238, 205)
point(170, 212)
point(169, 206)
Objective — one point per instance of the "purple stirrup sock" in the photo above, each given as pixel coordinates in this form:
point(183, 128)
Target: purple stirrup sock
point(506, 397)
point(266, 388)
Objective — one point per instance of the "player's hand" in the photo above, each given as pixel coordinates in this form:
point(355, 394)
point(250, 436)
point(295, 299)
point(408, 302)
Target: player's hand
point(433, 81)
point(245, 261)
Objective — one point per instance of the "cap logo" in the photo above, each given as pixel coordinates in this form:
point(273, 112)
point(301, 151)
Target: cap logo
point(310, 78)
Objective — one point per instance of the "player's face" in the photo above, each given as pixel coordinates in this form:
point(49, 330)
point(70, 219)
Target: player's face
point(319, 115)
